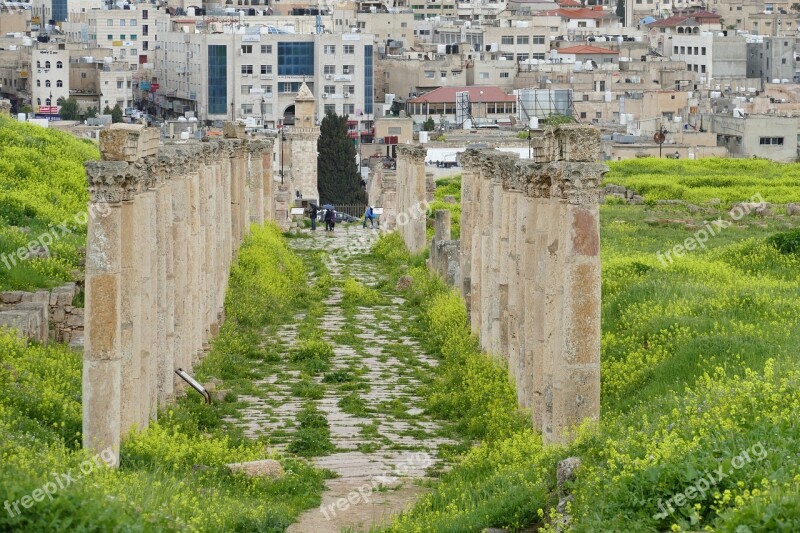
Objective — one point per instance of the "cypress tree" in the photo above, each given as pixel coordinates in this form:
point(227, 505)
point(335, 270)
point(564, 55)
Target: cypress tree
point(338, 178)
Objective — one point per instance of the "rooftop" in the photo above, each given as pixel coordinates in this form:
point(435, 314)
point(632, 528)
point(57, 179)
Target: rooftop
point(586, 49)
point(446, 95)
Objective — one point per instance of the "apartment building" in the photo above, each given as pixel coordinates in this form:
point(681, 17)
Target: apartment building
point(718, 58)
point(254, 75)
point(49, 78)
point(770, 58)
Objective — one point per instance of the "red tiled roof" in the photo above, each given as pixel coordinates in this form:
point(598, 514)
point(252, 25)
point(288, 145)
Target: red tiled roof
point(569, 3)
point(447, 95)
point(585, 13)
point(676, 20)
point(585, 49)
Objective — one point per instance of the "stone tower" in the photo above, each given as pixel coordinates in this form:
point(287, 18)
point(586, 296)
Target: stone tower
point(303, 138)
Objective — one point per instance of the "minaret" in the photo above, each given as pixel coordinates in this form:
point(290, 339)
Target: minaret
point(303, 137)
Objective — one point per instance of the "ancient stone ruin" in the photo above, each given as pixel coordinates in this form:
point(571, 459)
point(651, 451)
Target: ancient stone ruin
point(157, 264)
point(528, 266)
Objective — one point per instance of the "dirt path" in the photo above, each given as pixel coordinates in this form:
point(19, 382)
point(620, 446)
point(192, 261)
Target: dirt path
point(383, 443)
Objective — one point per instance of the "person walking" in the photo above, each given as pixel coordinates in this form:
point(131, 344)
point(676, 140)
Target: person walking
point(369, 214)
point(333, 219)
point(329, 220)
point(313, 215)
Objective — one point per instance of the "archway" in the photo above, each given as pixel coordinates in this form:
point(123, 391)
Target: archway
point(288, 116)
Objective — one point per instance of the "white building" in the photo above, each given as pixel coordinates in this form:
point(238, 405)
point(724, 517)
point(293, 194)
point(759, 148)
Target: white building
point(49, 78)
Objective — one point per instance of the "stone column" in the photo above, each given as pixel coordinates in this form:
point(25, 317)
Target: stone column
point(442, 230)
point(149, 258)
point(180, 239)
point(256, 178)
point(102, 356)
point(130, 317)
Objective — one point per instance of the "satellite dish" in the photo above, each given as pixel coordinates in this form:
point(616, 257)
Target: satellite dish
point(659, 138)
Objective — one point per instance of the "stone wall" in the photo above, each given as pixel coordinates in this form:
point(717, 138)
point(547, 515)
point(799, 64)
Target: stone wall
point(530, 271)
point(45, 315)
point(445, 252)
point(411, 185)
point(157, 265)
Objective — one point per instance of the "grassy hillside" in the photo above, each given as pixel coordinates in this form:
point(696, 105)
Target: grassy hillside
point(700, 386)
point(43, 204)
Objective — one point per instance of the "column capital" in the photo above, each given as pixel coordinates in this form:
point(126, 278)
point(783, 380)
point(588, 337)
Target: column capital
point(112, 182)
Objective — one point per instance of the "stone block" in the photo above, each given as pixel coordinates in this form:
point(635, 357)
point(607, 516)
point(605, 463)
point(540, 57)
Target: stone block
point(58, 315)
point(128, 142)
point(263, 468)
point(75, 321)
point(231, 130)
point(42, 297)
point(42, 312)
point(578, 142)
point(11, 297)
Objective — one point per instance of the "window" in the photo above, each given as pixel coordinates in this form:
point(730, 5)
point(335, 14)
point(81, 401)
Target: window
point(110, 23)
point(329, 49)
point(348, 69)
point(247, 109)
point(675, 50)
point(83, 75)
point(217, 79)
point(266, 48)
point(695, 51)
point(110, 37)
point(267, 89)
point(144, 14)
point(783, 61)
point(349, 109)
point(121, 22)
point(522, 57)
point(349, 49)
point(247, 48)
point(598, 114)
point(246, 89)
point(330, 89)
point(266, 69)
point(538, 39)
point(581, 24)
point(122, 37)
point(38, 83)
point(134, 51)
point(59, 64)
point(329, 69)
point(119, 84)
point(46, 64)
point(47, 83)
point(404, 24)
point(702, 69)
point(523, 39)
point(504, 75)
point(585, 97)
point(247, 69)
point(537, 56)
point(507, 39)
point(289, 86)
point(703, 51)
point(771, 140)
point(483, 75)
point(430, 74)
point(330, 108)
point(133, 36)
point(38, 64)
point(296, 59)
point(132, 22)
point(683, 49)
point(608, 60)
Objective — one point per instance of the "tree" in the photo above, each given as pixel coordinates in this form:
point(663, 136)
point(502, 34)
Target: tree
point(91, 112)
point(106, 110)
point(397, 106)
point(621, 10)
point(69, 108)
point(429, 124)
point(116, 114)
point(338, 177)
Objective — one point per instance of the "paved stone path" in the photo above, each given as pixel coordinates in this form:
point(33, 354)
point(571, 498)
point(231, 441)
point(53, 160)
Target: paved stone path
point(390, 443)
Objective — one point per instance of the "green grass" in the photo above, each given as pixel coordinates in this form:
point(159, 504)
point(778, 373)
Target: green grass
point(43, 204)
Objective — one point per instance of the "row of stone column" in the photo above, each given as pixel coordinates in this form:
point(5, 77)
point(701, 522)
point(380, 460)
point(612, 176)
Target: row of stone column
point(530, 273)
point(157, 270)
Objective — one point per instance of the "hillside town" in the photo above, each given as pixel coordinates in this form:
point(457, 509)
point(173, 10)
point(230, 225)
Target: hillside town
point(679, 79)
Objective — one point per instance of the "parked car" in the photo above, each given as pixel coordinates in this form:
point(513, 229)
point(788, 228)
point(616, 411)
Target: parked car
point(344, 217)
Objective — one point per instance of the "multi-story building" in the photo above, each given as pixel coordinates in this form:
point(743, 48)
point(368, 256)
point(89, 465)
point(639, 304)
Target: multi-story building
point(254, 75)
point(49, 78)
point(771, 58)
point(717, 58)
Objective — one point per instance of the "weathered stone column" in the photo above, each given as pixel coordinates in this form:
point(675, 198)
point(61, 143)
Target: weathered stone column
point(102, 356)
point(181, 232)
point(149, 257)
point(256, 178)
point(130, 315)
point(442, 231)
